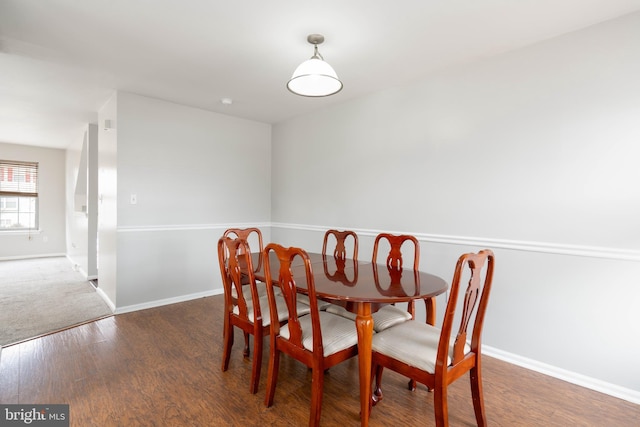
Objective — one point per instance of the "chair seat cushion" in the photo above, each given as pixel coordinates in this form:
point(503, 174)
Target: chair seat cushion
point(283, 313)
point(322, 305)
point(246, 290)
point(340, 311)
point(413, 343)
point(338, 333)
point(387, 316)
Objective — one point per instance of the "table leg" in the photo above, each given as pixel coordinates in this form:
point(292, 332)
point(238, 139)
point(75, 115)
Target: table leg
point(364, 325)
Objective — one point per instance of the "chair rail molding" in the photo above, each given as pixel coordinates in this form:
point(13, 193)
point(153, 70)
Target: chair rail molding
point(516, 245)
point(188, 227)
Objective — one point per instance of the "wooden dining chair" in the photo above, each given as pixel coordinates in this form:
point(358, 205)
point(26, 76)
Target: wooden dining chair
point(341, 241)
point(391, 315)
point(245, 308)
point(435, 357)
point(335, 261)
point(319, 339)
point(251, 235)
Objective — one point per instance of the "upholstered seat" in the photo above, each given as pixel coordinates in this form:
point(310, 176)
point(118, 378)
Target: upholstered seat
point(386, 317)
point(246, 290)
point(413, 343)
point(304, 299)
point(337, 333)
point(283, 312)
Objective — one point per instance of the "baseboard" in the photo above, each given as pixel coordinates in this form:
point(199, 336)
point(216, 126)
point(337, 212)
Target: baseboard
point(13, 258)
point(167, 301)
point(627, 394)
point(106, 299)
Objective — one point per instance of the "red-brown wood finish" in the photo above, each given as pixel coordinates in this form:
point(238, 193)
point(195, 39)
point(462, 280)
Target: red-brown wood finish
point(363, 298)
point(236, 268)
point(247, 234)
point(340, 273)
point(394, 263)
point(293, 345)
point(340, 251)
point(473, 307)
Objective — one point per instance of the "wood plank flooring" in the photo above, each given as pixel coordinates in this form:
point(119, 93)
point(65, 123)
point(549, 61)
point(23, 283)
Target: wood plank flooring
point(161, 367)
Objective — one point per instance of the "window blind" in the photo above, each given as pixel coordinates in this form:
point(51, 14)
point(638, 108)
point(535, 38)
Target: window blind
point(18, 179)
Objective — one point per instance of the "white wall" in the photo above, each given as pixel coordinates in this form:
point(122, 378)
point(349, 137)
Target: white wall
point(193, 173)
point(81, 231)
point(532, 153)
point(107, 202)
point(50, 239)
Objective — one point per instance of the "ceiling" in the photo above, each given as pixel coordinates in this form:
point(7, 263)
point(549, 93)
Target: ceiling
point(60, 60)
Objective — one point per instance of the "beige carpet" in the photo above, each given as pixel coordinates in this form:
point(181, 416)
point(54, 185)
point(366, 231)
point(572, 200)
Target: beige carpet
point(39, 296)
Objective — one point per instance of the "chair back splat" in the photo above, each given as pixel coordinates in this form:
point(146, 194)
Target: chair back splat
point(249, 235)
point(437, 357)
point(394, 259)
point(335, 267)
point(340, 250)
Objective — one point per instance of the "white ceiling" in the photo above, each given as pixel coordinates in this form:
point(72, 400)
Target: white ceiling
point(60, 60)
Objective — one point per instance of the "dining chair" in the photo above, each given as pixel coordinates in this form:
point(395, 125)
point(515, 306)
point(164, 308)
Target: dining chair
point(435, 357)
point(319, 339)
point(251, 235)
point(245, 308)
point(341, 242)
point(390, 315)
point(335, 262)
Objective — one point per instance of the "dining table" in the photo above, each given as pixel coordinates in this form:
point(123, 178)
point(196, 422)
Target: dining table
point(362, 288)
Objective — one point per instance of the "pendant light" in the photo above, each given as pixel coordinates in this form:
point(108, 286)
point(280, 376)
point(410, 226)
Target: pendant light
point(314, 77)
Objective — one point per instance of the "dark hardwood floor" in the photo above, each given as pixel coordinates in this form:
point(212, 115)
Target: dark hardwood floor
point(161, 367)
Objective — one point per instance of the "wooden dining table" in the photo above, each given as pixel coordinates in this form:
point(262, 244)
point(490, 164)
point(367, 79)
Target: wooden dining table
point(362, 288)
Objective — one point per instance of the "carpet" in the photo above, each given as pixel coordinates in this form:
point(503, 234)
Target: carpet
point(43, 295)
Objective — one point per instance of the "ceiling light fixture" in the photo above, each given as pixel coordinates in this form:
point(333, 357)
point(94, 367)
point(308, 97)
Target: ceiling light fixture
point(314, 77)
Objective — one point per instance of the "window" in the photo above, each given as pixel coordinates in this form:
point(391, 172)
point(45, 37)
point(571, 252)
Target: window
point(18, 195)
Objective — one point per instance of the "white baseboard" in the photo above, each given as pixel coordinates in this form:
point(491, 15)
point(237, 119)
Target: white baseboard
point(13, 258)
point(627, 394)
point(106, 299)
point(167, 301)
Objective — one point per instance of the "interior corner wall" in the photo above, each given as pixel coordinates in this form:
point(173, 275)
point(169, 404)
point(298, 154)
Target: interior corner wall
point(81, 230)
point(49, 240)
point(532, 153)
point(107, 202)
point(92, 200)
point(183, 176)
point(76, 230)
